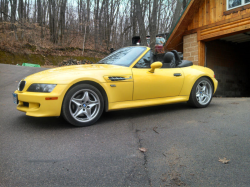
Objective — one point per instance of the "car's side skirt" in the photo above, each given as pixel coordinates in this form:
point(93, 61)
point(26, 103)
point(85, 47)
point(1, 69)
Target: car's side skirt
point(147, 102)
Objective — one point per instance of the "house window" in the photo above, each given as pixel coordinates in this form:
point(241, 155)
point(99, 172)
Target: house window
point(231, 4)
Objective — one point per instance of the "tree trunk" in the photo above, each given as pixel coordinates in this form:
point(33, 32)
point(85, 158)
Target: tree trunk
point(34, 14)
point(44, 9)
point(13, 12)
point(101, 25)
point(28, 10)
point(134, 20)
point(52, 21)
point(83, 45)
point(6, 9)
point(24, 11)
point(13, 16)
point(184, 4)
point(108, 24)
point(39, 12)
point(62, 19)
point(140, 23)
point(153, 26)
point(20, 13)
point(88, 15)
point(159, 17)
point(95, 22)
point(177, 13)
point(1, 10)
point(80, 15)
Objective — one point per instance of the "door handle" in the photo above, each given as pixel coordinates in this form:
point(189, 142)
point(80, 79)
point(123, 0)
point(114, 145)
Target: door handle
point(177, 74)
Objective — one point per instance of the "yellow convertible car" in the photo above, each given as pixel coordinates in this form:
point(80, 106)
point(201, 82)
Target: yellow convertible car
point(127, 78)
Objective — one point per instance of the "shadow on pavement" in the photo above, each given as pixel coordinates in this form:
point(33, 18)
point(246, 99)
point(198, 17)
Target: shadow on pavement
point(52, 123)
point(49, 123)
point(146, 111)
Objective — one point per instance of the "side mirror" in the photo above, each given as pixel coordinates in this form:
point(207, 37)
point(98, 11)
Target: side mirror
point(154, 66)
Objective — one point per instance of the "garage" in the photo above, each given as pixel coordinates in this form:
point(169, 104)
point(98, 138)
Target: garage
point(216, 34)
point(229, 58)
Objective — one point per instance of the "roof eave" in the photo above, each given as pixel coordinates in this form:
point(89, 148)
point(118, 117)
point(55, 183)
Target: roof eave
point(175, 37)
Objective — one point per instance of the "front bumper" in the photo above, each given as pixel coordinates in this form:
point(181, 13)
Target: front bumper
point(34, 103)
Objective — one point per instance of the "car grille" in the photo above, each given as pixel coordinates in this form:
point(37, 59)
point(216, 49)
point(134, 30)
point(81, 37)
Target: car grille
point(21, 85)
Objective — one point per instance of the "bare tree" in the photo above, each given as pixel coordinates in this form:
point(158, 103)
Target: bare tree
point(153, 25)
point(5, 6)
point(53, 21)
point(88, 24)
point(176, 13)
point(88, 14)
point(62, 19)
point(96, 12)
point(184, 4)
point(140, 22)
point(13, 12)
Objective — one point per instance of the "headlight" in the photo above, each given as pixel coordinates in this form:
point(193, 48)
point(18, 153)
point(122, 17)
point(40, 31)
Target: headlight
point(41, 88)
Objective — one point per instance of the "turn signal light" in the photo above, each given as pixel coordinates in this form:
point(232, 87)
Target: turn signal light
point(51, 98)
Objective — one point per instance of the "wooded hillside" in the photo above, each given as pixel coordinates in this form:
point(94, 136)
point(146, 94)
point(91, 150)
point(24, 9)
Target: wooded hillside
point(82, 27)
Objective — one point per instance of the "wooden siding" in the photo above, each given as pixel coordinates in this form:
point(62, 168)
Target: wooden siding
point(226, 29)
point(212, 11)
point(211, 21)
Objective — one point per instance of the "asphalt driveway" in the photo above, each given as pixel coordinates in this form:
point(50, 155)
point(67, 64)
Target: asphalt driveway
point(183, 145)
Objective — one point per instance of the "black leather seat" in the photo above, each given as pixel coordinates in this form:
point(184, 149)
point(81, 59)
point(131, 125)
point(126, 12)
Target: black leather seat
point(178, 60)
point(169, 60)
point(172, 59)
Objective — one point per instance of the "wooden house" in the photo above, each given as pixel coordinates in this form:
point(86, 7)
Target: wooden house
point(216, 34)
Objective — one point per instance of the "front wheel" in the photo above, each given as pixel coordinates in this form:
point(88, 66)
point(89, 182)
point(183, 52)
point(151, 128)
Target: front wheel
point(202, 93)
point(83, 105)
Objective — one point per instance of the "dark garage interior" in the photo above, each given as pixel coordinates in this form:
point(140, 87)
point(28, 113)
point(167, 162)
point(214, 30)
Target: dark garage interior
point(229, 58)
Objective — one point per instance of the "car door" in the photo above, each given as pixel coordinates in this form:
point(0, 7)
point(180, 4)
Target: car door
point(164, 82)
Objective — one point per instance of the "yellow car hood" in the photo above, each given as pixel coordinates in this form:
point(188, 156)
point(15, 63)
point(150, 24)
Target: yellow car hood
point(65, 75)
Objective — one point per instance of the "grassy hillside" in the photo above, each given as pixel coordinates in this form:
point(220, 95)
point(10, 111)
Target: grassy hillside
point(19, 58)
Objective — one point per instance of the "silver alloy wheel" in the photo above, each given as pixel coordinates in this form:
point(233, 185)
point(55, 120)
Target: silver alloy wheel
point(204, 92)
point(84, 105)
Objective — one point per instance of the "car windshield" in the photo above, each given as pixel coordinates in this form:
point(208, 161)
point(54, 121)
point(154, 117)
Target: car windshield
point(124, 56)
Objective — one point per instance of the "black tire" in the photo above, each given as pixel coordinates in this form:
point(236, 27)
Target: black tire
point(77, 93)
point(193, 100)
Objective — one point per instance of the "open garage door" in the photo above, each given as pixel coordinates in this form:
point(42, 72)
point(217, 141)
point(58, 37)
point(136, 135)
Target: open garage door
point(229, 57)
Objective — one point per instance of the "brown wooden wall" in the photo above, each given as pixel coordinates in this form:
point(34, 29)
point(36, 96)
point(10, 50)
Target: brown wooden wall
point(211, 21)
point(212, 11)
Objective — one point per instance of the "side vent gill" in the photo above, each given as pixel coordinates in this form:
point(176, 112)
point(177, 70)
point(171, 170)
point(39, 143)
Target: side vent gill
point(117, 78)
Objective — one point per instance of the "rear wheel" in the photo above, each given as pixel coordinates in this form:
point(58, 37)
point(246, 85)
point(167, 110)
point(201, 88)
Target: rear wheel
point(202, 93)
point(83, 105)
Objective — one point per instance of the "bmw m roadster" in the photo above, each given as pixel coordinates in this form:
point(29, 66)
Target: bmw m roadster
point(127, 78)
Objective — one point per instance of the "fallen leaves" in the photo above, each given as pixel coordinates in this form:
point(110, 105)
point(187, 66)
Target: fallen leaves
point(142, 149)
point(154, 129)
point(223, 160)
point(175, 179)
